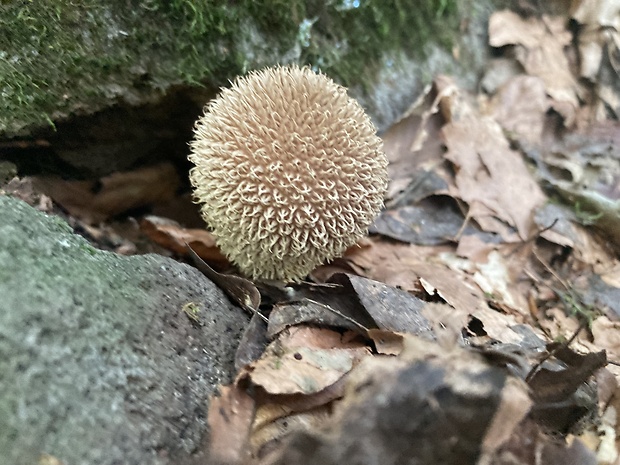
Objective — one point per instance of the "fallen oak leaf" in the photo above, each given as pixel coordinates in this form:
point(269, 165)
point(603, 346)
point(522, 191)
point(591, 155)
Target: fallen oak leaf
point(242, 291)
point(305, 310)
point(253, 342)
point(389, 308)
point(387, 342)
point(490, 176)
point(301, 370)
point(173, 236)
point(557, 385)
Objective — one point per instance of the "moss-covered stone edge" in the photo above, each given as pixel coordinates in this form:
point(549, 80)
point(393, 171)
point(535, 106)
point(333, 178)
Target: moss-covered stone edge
point(58, 57)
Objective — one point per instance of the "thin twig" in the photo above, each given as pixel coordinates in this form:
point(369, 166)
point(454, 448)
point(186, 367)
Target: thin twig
point(336, 312)
point(550, 354)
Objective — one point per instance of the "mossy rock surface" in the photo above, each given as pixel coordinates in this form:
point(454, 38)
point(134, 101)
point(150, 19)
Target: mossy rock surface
point(61, 57)
point(99, 364)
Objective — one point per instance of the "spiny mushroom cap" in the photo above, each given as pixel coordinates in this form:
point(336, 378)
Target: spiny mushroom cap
point(289, 169)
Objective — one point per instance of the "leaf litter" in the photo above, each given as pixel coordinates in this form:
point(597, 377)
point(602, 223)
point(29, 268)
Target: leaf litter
point(479, 323)
point(488, 263)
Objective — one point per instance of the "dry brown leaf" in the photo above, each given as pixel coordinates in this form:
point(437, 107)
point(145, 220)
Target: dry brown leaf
point(606, 335)
point(496, 279)
point(96, 201)
point(474, 249)
point(558, 325)
point(557, 223)
point(305, 412)
point(491, 177)
point(389, 308)
point(514, 405)
point(387, 342)
point(611, 275)
point(498, 72)
point(449, 286)
point(318, 313)
point(520, 106)
point(412, 144)
point(390, 262)
point(173, 236)
point(447, 323)
point(600, 20)
point(606, 437)
point(540, 49)
point(502, 327)
point(230, 420)
point(269, 432)
point(240, 290)
point(549, 386)
point(531, 446)
point(302, 370)
point(253, 342)
point(431, 221)
point(318, 338)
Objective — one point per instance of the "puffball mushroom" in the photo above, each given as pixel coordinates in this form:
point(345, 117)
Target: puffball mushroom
point(289, 171)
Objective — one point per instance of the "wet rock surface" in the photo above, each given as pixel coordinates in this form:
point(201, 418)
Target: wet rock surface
point(99, 362)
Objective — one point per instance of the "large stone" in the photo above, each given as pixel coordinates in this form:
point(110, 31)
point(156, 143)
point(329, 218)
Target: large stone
point(56, 59)
point(99, 362)
point(114, 84)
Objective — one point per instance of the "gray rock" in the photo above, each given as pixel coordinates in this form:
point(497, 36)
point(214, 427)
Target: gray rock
point(61, 60)
point(114, 84)
point(99, 364)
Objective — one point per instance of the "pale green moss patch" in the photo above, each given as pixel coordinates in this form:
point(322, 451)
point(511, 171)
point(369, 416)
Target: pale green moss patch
point(58, 57)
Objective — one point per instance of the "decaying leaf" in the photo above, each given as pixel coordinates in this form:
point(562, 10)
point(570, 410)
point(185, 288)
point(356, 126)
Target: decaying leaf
point(304, 362)
point(242, 291)
point(554, 385)
point(433, 220)
point(540, 49)
point(303, 370)
point(529, 445)
point(423, 407)
point(491, 177)
point(96, 201)
point(600, 22)
point(494, 278)
point(253, 342)
point(390, 309)
point(413, 147)
point(440, 281)
point(230, 417)
point(173, 236)
point(352, 302)
point(520, 106)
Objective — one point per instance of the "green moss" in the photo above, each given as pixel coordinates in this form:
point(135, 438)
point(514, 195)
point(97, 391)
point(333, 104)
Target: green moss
point(62, 56)
point(348, 43)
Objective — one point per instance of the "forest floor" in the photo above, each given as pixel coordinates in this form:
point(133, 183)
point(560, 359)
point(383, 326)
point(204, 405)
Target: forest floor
point(498, 252)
